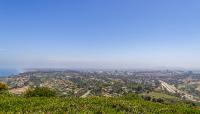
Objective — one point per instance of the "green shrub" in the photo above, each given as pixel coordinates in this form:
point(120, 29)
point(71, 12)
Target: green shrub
point(90, 105)
point(40, 92)
point(3, 86)
point(146, 98)
point(5, 93)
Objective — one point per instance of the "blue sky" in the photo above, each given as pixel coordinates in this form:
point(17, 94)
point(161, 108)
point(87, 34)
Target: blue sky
point(100, 33)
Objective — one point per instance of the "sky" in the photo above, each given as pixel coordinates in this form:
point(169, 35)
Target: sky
point(100, 34)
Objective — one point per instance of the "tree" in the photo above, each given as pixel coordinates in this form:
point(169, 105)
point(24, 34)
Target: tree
point(147, 98)
point(40, 92)
point(3, 86)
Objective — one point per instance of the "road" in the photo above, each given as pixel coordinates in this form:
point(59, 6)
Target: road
point(86, 94)
point(173, 89)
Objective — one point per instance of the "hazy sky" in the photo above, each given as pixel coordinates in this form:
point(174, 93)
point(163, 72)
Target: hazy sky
point(100, 33)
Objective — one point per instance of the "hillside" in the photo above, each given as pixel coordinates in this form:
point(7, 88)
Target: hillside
point(76, 83)
point(96, 92)
point(98, 105)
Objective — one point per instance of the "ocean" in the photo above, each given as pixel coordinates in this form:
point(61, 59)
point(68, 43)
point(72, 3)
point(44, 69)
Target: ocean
point(8, 72)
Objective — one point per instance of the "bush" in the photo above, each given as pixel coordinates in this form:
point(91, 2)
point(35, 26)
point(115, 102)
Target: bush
point(131, 96)
point(159, 100)
point(3, 86)
point(5, 93)
point(147, 98)
point(40, 92)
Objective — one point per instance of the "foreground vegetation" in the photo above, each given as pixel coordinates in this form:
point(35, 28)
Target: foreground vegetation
point(98, 105)
point(44, 100)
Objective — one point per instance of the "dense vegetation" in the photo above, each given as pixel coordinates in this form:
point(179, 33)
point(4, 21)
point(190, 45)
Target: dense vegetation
point(98, 105)
point(45, 100)
point(40, 92)
point(3, 86)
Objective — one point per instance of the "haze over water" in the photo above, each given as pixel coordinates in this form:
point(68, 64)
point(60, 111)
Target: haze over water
point(8, 72)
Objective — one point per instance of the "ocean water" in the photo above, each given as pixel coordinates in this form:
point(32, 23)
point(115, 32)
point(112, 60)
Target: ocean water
point(8, 72)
